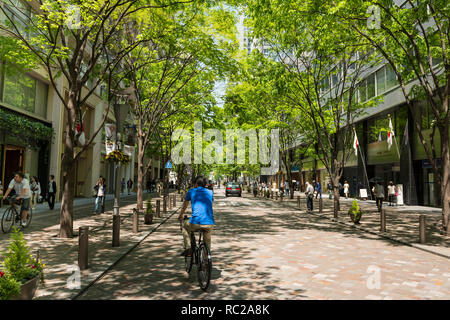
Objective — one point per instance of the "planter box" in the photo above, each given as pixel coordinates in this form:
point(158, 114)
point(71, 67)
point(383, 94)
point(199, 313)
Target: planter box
point(28, 289)
point(357, 218)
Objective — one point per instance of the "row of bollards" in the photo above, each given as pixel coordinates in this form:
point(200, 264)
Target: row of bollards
point(422, 220)
point(83, 232)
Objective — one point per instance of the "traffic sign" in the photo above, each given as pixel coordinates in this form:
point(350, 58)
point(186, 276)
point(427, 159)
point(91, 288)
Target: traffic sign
point(168, 165)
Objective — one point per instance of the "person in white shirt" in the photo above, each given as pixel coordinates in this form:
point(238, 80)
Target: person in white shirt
point(35, 191)
point(22, 188)
point(391, 193)
point(346, 189)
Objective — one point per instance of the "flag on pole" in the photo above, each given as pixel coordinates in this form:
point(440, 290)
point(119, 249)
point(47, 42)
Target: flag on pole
point(82, 137)
point(390, 135)
point(355, 144)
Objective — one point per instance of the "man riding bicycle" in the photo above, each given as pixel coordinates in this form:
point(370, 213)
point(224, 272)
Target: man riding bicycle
point(22, 188)
point(202, 217)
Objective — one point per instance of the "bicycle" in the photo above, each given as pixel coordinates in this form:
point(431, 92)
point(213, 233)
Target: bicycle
point(201, 256)
point(11, 217)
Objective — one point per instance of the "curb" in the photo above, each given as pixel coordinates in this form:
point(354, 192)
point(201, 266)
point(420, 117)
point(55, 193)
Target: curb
point(381, 235)
point(102, 274)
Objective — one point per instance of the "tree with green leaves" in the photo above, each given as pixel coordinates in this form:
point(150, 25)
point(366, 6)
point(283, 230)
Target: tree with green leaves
point(414, 39)
point(323, 65)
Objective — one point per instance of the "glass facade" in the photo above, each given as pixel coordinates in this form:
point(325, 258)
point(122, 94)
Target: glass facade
point(22, 91)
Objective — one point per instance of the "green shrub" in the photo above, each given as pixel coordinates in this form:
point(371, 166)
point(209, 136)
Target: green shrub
point(9, 287)
point(18, 262)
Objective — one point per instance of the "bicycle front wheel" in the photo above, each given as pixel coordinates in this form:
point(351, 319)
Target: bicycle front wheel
point(8, 220)
point(204, 266)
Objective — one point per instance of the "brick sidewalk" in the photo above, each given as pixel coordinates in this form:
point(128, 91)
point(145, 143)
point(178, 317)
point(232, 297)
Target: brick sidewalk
point(61, 255)
point(402, 222)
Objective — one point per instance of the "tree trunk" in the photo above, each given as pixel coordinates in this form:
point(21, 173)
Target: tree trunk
point(445, 182)
point(140, 182)
point(336, 202)
point(68, 191)
point(68, 169)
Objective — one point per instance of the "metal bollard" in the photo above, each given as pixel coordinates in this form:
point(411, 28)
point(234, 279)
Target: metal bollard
point(298, 202)
point(383, 220)
point(271, 195)
point(422, 228)
point(169, 199)
point(276, 195)
point(135, 221)
point(320, 205)
point(165, 205)
point(158, 208)
point(83, 243)
point(116, 231)
point(174, 201)
point(281, 198)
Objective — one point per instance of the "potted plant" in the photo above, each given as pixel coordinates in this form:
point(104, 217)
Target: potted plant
point(355, 212)
point(22, 272)
point(148, 211)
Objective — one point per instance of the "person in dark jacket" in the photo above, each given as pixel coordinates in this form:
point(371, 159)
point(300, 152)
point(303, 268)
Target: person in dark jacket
point(51, 192)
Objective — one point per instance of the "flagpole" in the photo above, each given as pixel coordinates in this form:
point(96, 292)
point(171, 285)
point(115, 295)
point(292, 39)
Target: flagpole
point(364, 165)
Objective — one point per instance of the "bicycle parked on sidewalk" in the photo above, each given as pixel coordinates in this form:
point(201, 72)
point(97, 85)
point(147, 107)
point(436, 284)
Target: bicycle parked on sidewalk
point(199, 255)
point(12, 217)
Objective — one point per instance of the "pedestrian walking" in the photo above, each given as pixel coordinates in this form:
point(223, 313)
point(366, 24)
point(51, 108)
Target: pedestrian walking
point(35, 188)
point(330, 190)
point(346, 189)
point(392, 191)
point(309, 196)
point(51, 192)
point(122, 186)
point(379, 191)
point(129, 185)
point(340, 188)
point(100, 189)
point(318, 190)
point(287, 188)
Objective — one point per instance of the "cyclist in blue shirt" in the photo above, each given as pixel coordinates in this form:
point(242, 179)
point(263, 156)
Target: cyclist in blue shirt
point(202, 217)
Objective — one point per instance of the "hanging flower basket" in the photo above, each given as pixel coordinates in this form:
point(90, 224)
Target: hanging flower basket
point(118, 156)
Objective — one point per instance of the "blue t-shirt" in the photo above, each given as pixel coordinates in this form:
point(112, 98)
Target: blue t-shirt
point(202, 200)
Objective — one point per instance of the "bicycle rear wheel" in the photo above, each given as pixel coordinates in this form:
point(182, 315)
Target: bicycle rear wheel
point(204, 266)
point(188, 262)
point(8, 220)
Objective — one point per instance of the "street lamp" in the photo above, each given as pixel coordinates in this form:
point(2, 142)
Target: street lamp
point(120, 112)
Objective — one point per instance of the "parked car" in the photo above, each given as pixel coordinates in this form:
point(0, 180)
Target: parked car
point(233, 189)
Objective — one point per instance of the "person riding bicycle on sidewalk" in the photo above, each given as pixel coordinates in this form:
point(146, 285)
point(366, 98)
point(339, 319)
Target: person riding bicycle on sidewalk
point(202, 217)
point(22, 188)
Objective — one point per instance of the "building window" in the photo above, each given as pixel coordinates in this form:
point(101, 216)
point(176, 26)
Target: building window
point(381, 81)
point(19, 89)
point(370, 86)
point(391, 79)
point(362, 90)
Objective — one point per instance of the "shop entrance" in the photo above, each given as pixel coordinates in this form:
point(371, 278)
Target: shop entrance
point(13, 161)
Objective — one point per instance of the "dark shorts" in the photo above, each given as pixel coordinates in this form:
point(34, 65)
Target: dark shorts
point(25, 205)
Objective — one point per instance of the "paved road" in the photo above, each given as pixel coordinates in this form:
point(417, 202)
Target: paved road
point(261, 251)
